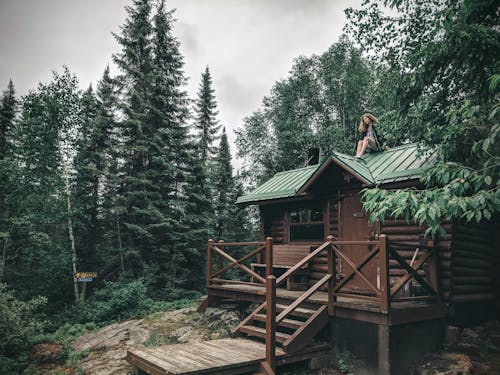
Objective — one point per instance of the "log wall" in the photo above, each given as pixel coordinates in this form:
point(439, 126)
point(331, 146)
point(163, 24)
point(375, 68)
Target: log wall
point(410, 232)
point(273, 223)
point(319, 265)
point(473, 263)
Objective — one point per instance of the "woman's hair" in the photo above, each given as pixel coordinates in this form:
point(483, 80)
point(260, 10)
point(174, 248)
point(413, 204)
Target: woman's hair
point(362, 127)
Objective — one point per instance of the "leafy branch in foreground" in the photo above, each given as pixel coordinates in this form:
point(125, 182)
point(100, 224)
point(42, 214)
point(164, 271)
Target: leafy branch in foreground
point(461, 193)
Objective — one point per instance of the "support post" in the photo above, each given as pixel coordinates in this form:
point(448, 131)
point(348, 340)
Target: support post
point(333, 279)
point(433, 269)
point(385, 287)
point(269, 256)
point(271, 321)
point(220, 261)
point(209, 262)
point(384, 355)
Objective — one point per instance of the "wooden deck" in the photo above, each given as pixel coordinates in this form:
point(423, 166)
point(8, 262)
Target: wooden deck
point(401, 312)
point(225, 356)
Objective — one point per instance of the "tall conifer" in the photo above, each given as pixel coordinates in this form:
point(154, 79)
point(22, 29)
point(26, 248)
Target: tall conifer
point(206, 117)
point(8, 110)
point(223, 185)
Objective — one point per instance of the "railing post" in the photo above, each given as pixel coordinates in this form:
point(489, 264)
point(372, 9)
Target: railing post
point(385, 286)
point(433, 268)
point(271, 321)
point(220, 261)
point(333, 279)
point(269, 256)
point(209, 262)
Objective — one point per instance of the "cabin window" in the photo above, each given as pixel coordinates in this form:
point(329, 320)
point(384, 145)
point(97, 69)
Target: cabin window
point(306, 224)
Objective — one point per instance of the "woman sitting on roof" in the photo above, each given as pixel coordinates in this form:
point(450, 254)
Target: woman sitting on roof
point(367, 135)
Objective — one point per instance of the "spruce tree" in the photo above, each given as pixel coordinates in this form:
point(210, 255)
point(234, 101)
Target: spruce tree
point(223, 194)
point(8, 110)
point(89, 171)
point(171, 158)
point(206, 117)
point(134, 61)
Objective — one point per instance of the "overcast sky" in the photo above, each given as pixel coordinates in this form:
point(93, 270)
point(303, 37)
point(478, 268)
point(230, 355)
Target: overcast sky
point(248, 44)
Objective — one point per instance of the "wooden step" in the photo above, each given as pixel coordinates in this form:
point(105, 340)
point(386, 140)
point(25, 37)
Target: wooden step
point(288, 323)
point(261, 332)
point(309, 329)
point(299, 311)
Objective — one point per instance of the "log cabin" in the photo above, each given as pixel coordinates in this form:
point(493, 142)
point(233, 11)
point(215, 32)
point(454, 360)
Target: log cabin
point(321, 272)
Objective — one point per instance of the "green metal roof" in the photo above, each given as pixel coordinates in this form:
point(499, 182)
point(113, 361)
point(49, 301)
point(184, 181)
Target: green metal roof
point(397, 164)
point(281, 185)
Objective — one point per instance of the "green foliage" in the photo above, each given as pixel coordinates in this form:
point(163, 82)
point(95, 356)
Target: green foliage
point(118, 301)
point(444, 71)
point(18, 324)
point(317, 105)
point(206, 122)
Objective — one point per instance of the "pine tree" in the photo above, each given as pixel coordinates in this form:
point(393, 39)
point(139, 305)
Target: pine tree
point(171, 158)
point(8, 110)
point(112, 202)
point(206, 117)
point(223, 185)
point(134, 61)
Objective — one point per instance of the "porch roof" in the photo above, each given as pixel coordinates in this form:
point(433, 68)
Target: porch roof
point(398, 164)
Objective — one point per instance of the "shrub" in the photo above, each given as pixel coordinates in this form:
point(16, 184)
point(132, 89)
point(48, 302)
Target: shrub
point(118, 301)
point(18, 323)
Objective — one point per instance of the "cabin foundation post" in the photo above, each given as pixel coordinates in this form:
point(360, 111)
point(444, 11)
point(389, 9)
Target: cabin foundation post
point(384, 353)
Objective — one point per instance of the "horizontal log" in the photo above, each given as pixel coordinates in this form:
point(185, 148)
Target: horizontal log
point(445, 273)
point(464, 254)
point(459, 271)
point(473, 263)
point(316, 275)
point(473, 232)
point(474, 247)
point(470, 289)
point(445, 283)
point(472, 280)
point(445, 255)
point(397, 222)
point(444, 264)
point(472, 297)
point(402, 230)
point(469, 238)
point(441, 244)
point(412, 238)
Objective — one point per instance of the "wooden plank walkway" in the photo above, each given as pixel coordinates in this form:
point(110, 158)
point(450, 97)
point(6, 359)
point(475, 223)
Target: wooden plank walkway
point(225, 356)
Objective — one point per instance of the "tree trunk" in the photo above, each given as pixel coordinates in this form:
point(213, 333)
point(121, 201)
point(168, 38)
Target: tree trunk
point(4, 257)
point(122, 264)
point(70, 227)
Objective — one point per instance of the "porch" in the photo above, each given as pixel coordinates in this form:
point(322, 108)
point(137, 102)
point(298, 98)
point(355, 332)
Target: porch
point(382, 282)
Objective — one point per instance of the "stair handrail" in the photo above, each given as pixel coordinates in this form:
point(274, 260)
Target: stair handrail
point(269, 365)
point(298, 266)
point(313, 289)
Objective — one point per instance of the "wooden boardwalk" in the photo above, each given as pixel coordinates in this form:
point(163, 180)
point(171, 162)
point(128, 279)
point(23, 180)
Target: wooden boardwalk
point(225, 356)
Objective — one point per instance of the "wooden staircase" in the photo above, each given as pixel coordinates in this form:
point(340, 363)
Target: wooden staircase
point(293, 332)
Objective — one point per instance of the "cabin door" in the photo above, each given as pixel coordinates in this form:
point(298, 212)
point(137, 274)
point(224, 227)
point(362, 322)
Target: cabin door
point(353, 226)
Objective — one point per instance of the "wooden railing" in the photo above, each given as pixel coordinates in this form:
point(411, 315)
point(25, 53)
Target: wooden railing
point(379, 291)
point(382, 293)
point(217, 253)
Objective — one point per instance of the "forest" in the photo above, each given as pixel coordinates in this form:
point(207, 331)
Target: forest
point(129, 179)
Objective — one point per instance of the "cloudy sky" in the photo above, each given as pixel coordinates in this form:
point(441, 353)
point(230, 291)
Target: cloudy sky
point(248, 44)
